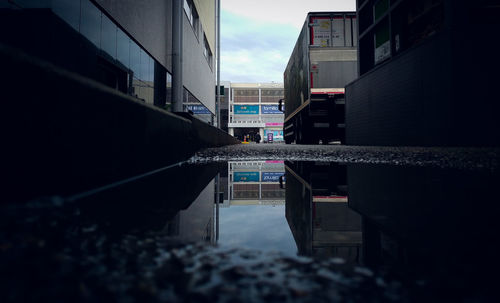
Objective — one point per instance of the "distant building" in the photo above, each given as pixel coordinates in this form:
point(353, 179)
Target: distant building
point(126, 45)
point(255, 183)
point(253, 109)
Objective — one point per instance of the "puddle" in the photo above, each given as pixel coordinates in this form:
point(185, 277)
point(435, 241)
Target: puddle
point(407, 232)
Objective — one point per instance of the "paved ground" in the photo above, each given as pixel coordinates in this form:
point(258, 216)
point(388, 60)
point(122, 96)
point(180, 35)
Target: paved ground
point(467, 158)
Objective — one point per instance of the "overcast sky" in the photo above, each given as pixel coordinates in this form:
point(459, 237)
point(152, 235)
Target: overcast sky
point(258, 36)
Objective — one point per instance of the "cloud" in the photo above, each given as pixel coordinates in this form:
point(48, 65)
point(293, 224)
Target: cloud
point(286, 12)
point(252, 51)
point(258, 36)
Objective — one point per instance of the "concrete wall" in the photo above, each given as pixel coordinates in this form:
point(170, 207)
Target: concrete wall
point(149, 23)
point(206, 10)
point(198, 76)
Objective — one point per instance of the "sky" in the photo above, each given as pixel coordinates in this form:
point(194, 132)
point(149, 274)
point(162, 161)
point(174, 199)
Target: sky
point(258, 36)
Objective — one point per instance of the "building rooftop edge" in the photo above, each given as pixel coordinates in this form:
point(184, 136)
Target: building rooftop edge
point(258, 85)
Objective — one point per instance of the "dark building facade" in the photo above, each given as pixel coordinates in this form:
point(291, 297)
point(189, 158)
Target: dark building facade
point(126, 45)
point(87, 90)
point(428, 74)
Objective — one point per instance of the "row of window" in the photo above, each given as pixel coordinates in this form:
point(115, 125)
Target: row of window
point(255, 92)
point(252, 95)
point(255, 99)
point(194, 20)
point(114, 44)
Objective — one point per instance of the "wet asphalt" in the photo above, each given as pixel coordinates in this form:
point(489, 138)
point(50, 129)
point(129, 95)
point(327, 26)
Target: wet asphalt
point(444, 157)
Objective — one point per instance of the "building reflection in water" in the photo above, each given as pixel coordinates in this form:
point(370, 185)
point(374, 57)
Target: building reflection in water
point(253, 208)
point(318, 214)
point(420, 222)
point(433, 223)
point(255, 183)
point(177, 202)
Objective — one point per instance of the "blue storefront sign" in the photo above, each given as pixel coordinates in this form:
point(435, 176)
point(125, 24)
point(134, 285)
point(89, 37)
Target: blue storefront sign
point(246, 109)
point(271, 109)
point(198, 109)
point(246, 176)
point(271, 176)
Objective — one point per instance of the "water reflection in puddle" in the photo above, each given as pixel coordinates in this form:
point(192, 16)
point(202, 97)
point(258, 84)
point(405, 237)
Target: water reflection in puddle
point(252, 213)
point(414, 220)
point(426, 225)
point(294, 208)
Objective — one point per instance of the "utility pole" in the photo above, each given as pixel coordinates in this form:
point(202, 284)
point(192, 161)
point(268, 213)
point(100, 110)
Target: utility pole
point(217, 105)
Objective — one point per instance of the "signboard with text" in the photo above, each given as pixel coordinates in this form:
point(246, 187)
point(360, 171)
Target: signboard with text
point(198, 109)
point(251, 176)
point(246, 109)
point(271, 109)
point(271, 176)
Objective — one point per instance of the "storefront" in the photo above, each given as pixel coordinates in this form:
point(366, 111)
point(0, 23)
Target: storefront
point(273, 132)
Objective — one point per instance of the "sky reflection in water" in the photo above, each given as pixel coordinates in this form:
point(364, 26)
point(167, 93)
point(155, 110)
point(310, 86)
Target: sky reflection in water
point(261, 227)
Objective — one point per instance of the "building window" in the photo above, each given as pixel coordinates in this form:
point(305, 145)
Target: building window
point(272, 95)
point(246, 96)
point(192, 15)
point(121, 62)
point(207, 52)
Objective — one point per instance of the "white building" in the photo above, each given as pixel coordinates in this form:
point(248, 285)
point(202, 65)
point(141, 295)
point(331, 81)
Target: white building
point(253, 109)
point(255, 183)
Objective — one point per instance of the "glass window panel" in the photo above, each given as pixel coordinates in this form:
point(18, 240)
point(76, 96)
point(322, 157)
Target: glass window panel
point(135, 59)
point(108, 36)
point(138, 89)
point(169, 88)
point(144, 65)
point(187, 9)
point(69, 11)
point(150, 95)
point(90, 23)
point(123, 48)
point(151, 76)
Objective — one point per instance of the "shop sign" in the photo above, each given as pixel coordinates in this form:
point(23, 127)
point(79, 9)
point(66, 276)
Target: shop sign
point(271, 109)
point(271, 176)
point(246, 109)
point(274, 124)
point(277, 135)
point(198, 109)
point(246, 176)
